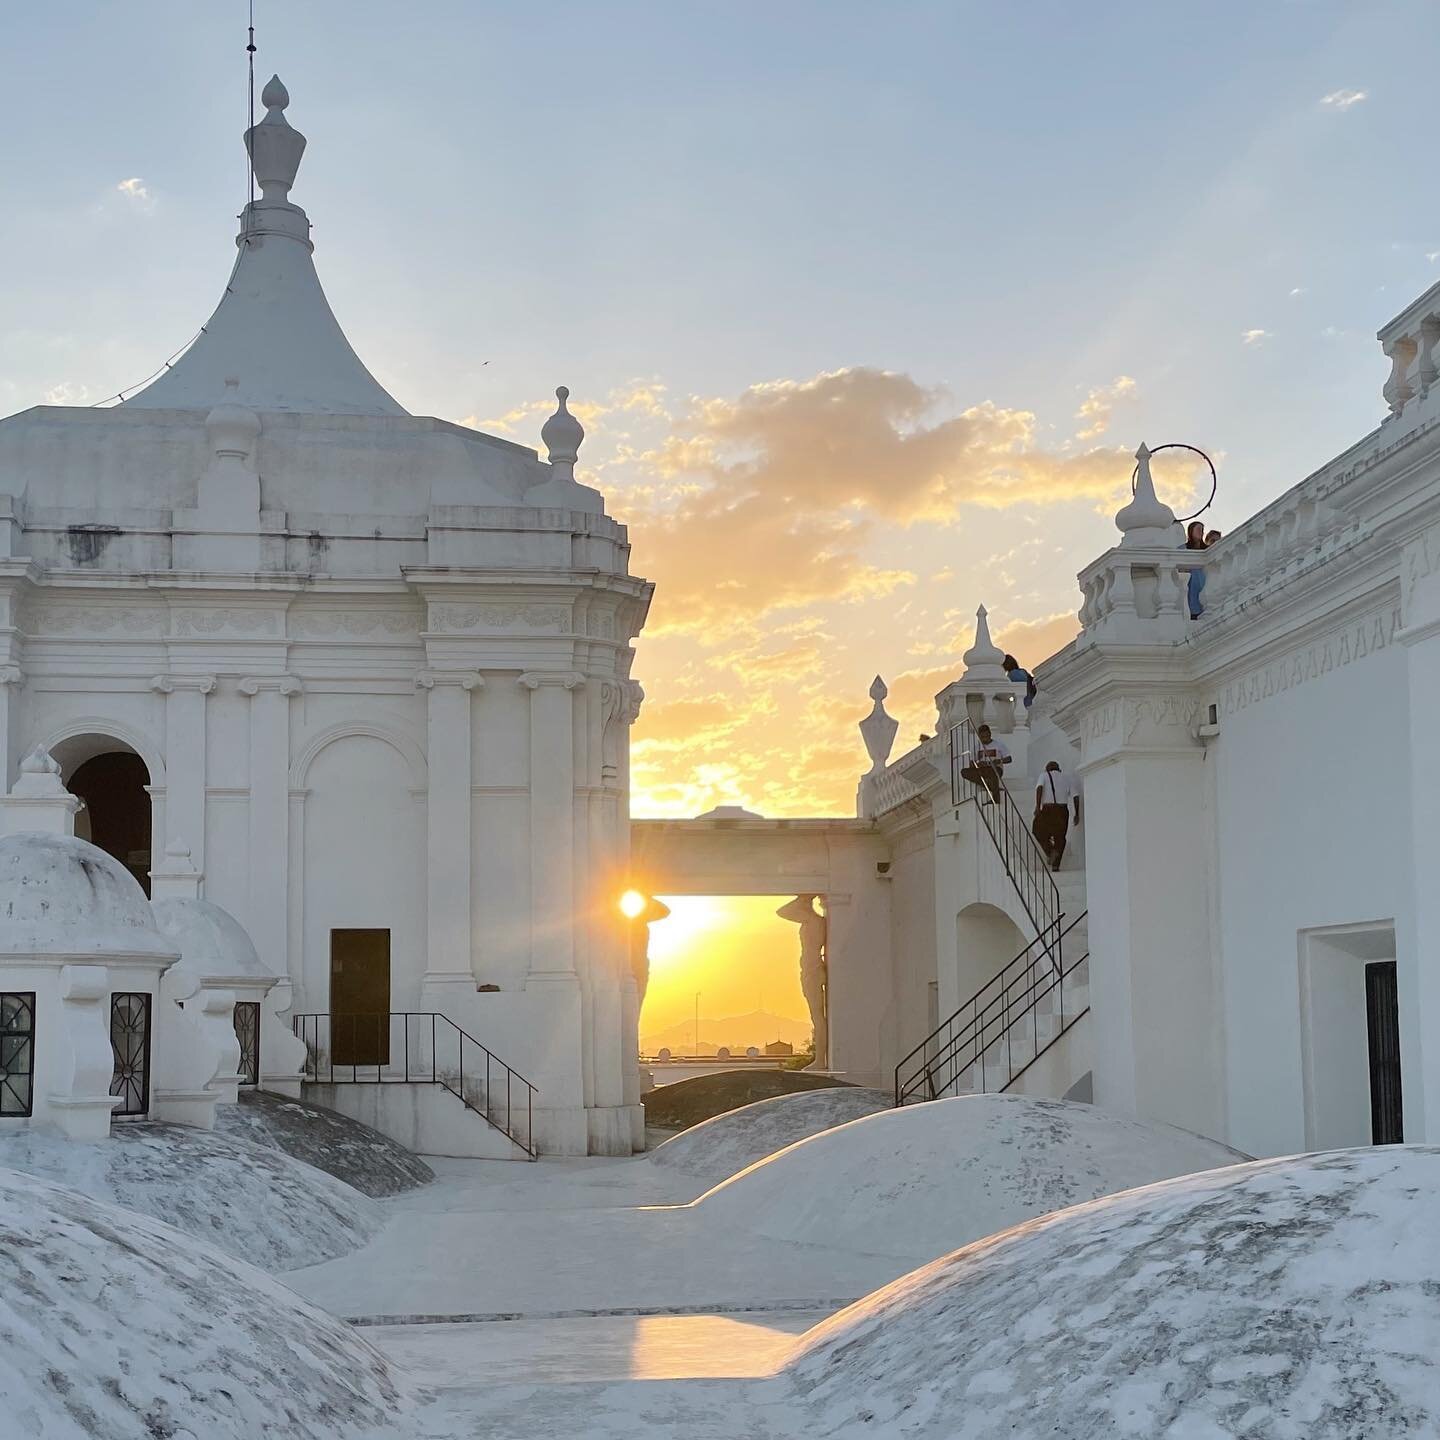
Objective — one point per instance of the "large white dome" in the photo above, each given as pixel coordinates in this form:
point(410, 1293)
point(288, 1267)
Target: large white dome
point(63, 896)
point(1292, 1299)
point(921, 1181)
point(212, 942)
point(114, 1325)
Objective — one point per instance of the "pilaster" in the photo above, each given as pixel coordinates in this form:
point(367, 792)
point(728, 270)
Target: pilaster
point(1155, 975)
point(269, 819)
point(185, 759)
point(12, 680)
point(450, 958)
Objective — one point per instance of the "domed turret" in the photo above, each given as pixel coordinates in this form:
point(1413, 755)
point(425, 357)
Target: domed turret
point(212, 943)
point(63, 896)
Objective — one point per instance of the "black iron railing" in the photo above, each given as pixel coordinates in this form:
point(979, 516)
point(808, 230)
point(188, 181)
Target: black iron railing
point(999, 1027)
point(415, 1047)
point(1019, 851)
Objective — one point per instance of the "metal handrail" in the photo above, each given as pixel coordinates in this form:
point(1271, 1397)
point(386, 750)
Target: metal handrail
point(1019, 851)
point(419, 1066)
point(988, 1016)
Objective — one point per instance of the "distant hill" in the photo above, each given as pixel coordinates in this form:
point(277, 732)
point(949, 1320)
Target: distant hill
point(737, 1032)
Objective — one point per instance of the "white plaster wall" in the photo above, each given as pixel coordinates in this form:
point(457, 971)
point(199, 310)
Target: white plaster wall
point(363, 858)
point(1307, 837)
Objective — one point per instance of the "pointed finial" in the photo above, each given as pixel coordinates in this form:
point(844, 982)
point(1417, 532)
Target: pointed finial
point(39, 761)
point(984, 654)
point(1145, 520)
point(878, 729)
point(275, 147)
point(562, 434)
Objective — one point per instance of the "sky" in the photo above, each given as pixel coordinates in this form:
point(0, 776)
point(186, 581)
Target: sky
point(864, 306)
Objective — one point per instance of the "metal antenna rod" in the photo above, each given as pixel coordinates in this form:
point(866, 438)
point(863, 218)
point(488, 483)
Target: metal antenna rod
point(249, 146)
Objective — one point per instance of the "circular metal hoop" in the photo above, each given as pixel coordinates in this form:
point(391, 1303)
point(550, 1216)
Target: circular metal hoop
point(1196, 450)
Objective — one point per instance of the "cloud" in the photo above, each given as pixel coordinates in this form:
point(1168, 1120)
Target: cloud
point(135, 189)
point(1099, 404)
point(1298, 290)
point(771, 500)
point(1344, 99)
point(1255, 337)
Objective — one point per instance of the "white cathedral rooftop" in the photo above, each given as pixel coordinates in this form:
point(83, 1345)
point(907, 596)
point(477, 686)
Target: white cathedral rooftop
point(273, 332)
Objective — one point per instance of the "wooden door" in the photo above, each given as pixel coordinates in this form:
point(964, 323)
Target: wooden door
point(1382, 1015)
point(360, 997)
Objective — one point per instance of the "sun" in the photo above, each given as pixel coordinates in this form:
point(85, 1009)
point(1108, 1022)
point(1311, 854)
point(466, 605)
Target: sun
point(632, 904)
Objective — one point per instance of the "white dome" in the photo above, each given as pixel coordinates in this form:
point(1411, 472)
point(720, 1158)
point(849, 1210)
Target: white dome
point(63, 896)
point(725, 1144)
point(1292, 1298)
point(116, 1325)
point(921, 1181)
point(212, 943)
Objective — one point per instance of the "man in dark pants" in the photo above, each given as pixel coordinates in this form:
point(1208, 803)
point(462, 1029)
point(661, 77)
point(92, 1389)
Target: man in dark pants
point(1053, 797)
point(987, 764)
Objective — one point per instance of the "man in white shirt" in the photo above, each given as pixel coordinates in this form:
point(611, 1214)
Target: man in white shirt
point(1054, 795)
point(987, 763)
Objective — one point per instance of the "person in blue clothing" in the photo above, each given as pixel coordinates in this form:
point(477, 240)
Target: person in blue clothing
point(1016, 672)
point(1195, 540)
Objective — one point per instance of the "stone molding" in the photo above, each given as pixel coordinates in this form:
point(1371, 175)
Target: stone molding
point(169, 684)
point(11, 675)
point(465, 679)
point(534, 679)
point(1353, 641)
point(284, 684)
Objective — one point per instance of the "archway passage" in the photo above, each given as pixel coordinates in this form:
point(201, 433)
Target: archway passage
point(116, 816)
point(732, 964)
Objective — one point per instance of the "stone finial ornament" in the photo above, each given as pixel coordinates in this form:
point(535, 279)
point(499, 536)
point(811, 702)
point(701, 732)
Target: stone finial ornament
point(231, 428)
point(984, 660)
point(562, 434)
point(878, 728)
point(39, 774)
point(1145, 520)
point(275, 147)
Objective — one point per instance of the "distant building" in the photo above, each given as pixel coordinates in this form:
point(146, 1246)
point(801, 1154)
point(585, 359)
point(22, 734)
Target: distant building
point(779, 1047)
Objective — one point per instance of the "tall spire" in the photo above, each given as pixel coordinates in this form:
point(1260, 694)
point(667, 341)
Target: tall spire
point(273, 332)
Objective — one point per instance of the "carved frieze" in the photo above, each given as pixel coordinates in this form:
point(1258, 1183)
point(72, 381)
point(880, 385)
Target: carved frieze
point(211, 622)
point(600, 624)
point(92, 620)
point(469, 619)
point(1350, 642)
point(354, 624)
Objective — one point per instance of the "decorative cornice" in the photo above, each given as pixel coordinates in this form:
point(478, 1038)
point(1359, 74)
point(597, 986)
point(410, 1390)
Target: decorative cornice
point(355, 624)
point(169, 684)
point(282, 684)
point(534, 679)
point(465, 679)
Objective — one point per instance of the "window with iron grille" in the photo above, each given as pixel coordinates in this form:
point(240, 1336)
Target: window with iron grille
point(17, 1052)
point(247, 1032)
point(130, 1040)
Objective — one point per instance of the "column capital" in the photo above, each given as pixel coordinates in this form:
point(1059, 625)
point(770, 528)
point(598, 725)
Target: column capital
point(534, 679)
point(465, 679)
point(11, 675)
point(281, 684)
point(170, 684)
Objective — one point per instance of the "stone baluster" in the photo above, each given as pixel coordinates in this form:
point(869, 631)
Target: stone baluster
point(80, 1104)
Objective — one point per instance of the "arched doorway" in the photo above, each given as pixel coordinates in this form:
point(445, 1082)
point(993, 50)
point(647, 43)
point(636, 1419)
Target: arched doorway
point(986, 940)
point(112, 780)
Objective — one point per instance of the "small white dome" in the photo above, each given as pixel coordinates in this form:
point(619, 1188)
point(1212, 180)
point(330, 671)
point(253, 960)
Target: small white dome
point(63, 896)
point(211, 941)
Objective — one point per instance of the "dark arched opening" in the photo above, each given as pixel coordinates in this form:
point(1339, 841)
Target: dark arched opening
point(117, 808)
